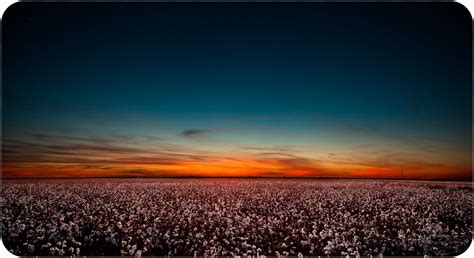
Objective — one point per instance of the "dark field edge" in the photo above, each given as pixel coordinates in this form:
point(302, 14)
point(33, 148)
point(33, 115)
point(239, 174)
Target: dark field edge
point(314, 256)
point(267, 256)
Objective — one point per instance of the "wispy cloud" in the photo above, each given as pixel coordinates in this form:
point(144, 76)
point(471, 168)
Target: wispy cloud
point(193, 133)
point(112, 154)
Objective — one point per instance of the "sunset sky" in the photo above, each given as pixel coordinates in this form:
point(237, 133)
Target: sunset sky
point(324, 90)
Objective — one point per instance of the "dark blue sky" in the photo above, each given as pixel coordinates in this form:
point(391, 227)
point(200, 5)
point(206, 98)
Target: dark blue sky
point(330, 76)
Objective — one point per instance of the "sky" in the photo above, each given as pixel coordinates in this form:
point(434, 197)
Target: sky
point(237, 89)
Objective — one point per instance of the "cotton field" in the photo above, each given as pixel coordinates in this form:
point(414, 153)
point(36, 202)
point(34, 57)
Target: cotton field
point(235, 217)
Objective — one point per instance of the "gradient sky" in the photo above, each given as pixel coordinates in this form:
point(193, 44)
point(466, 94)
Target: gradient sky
point(325, 90)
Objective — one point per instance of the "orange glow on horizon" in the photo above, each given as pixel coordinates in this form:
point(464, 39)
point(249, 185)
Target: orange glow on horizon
point(227, 167)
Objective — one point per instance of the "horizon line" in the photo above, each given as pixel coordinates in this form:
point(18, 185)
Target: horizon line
point(242, 177)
